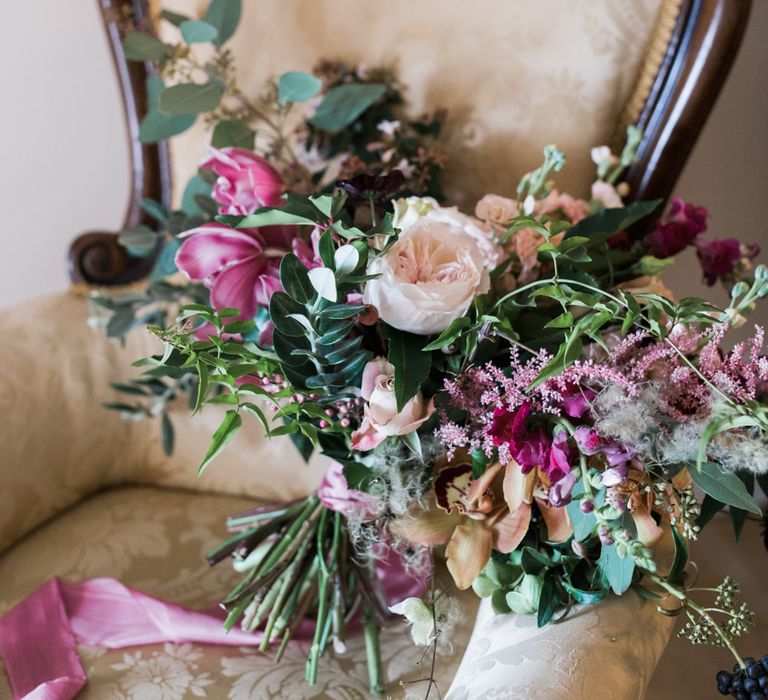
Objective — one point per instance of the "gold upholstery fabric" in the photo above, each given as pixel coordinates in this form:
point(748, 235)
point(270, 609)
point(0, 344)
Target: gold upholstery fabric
point(514, 75)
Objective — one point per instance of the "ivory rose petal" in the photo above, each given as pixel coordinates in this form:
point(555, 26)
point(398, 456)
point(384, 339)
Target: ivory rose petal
point(431, 275)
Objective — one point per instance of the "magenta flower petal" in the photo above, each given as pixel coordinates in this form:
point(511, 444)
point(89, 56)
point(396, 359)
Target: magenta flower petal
point(209, 249)
point(235, 287)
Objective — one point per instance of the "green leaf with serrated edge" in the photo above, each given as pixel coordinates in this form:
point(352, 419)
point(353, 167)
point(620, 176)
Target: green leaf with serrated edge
point(221, 438)
point(233, 132)
point(225, 16)
point(450, 334)
point(297, 86)
point(198, 32)
point(724, 486)
point(345, 103)
point(676, 573)
point(616, 570)
point(253, 410)
point(411, 365)
point(166, 432)
point(323, 203)
point(138, 46)
point(202, 385)
point(191, 98)
point(295, 280)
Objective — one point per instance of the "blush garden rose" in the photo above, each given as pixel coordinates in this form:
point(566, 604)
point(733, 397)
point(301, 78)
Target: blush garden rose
point(438, 266)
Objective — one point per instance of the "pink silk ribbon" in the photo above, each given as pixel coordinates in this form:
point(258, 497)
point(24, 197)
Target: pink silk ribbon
point(39, 637)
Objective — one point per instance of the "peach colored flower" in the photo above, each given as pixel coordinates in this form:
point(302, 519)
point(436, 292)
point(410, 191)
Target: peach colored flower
point(496, 210)
point(607, 194)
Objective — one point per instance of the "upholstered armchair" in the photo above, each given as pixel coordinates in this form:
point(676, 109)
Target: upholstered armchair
point(85, 494)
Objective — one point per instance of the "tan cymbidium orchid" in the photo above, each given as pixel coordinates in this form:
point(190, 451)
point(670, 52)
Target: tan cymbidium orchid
point(469, 518)
point(522, 488)
point(640, 505)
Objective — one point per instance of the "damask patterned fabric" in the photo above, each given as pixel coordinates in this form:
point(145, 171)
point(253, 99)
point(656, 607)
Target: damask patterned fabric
point(514, 75)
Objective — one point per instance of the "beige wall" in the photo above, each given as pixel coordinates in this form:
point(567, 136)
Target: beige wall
point(65, 168)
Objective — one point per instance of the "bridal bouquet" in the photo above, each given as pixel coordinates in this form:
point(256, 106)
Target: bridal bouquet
point(514, 387)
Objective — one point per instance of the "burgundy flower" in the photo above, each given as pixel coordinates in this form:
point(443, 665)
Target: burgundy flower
point(677, 230)
point(719, 257)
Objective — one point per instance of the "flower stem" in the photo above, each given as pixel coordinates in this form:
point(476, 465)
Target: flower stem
point(702, 612)
point(373, 650)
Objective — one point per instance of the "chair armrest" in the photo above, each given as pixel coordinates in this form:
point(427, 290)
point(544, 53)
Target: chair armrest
point(57, 444)
point(606, 651)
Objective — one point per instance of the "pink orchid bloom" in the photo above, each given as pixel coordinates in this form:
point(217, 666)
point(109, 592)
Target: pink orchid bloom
point(240, 266)
point(246, 182)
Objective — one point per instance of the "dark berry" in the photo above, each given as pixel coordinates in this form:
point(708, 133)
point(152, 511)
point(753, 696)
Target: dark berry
point(754, 670)
point(764, 662)
point(724, 677)
point(741, 696)
point(750, 685)
point(756, 696)
point(736, 684)
point(749, 660)
point(723, 689)
point(763, 683)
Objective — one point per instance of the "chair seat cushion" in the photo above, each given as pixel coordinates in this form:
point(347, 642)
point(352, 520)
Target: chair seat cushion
point(153, 539)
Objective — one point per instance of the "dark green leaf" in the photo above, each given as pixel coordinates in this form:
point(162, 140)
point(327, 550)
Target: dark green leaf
point(295, 280)
point(196, 186)
point(549, 601)
point(303, 444)
point(224, 433)
point(339, 312)
point(122, 321)
point(197, 32)
point(601, 226)
point(296, 86)
point(450, 334)
point(411, 365)
point(281, 306)
point(138, 46)
point(191, 98)
point(345, 103)
point(676, 573)
point(724, 486)
point(274, 217)
point(225, 16)
point(533, 561)
point(166, 431)
point(357, 475)
point(174, 17)
point(710, 507)
point(233, 132)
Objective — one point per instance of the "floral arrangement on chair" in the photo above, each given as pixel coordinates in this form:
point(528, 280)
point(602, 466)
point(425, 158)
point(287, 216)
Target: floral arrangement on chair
point(516, 385)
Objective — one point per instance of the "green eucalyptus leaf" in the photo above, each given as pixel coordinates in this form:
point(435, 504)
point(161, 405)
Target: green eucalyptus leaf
point(174, 18)
point(224, 15)
point(345, 103)
point(191, 98)
point(676, 573)
point(198, 32)
point(616, 571)
point(710, 507)
point(157, 126)
point(296, 86)
point(585, 597)
point(726, 487)
point(549, 601)
point(138, 46)
point(272, 217)
point(233, 132)
point(140, 240)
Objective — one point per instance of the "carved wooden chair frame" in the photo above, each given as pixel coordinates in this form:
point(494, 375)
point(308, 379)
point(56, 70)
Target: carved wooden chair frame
point(688, 59)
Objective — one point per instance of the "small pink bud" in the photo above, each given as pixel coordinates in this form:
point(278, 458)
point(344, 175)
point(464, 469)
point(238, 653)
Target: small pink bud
point(323, 423)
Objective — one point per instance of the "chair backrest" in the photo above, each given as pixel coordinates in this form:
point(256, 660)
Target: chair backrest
point(514, 75)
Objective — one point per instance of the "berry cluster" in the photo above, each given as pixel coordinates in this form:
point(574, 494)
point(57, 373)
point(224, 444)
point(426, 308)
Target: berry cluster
point(749, 683)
